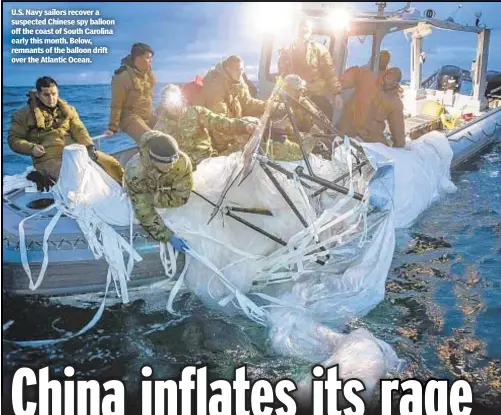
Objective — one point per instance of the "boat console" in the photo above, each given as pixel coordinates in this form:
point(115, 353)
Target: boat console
point(335, 26)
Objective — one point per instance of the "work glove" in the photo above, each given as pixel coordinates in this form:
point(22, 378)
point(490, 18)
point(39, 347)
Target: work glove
point(91, 150)
point(178, 244)
point(44, 183)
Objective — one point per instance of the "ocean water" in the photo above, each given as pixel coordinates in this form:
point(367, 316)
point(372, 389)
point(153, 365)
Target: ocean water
point(442, 310)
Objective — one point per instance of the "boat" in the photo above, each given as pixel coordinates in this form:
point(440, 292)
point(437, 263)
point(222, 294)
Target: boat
point(72, 269)
point(471, 123)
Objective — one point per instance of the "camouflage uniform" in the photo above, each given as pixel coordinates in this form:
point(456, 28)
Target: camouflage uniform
point(280, 148)
point(149, 188)
point(132, 100)
point(315, 67)
point(305, 121)
point(224, 96)
point(195, 127)
point(289, 151)
point(306, 124)
point(53, 128)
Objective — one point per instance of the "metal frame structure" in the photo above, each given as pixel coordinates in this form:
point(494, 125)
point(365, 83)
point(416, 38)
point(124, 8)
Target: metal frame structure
point(307, 179)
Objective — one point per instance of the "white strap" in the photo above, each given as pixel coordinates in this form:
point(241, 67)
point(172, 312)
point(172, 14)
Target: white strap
point(87, 327)
point(130, 265)
point(177, 287)
point(280, 303)
point(309, 210)
point(250, 309)
point(347, 146)
point(22, 245)
point(170, 263)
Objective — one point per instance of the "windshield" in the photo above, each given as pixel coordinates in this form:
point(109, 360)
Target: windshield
point(359, 50)
point(400, 50)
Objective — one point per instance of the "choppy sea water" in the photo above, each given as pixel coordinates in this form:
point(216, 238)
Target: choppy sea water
point(442, 311)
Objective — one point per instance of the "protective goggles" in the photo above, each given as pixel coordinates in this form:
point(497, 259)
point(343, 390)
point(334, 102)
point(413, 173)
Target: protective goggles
point(165, 160)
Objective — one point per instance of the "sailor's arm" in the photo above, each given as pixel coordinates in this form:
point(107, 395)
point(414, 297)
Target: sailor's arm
point(252, 106)
point(284, 63)
point(179, 194)
point(303, 118)
point(329, 71)
point(309, 120)
point(17, 136)
point(78, 131)
point(143, 202)
point(149, 218)
point(396, 124)
point(350, 77)
point(213, 98)
point(220, 123)
point(118, 96)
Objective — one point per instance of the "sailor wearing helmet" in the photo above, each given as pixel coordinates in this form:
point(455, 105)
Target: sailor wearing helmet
point(159, 176)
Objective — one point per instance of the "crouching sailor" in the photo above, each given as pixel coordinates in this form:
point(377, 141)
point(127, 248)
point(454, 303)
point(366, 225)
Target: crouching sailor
point(195, 125)
point(380, 107)
point(44, 127)
point(159, 176)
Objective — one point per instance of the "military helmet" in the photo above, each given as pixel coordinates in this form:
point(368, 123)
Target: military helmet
point(294, 82)
point(163, 148)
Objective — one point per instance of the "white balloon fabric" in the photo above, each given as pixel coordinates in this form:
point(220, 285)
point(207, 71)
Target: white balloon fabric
point(422, 174)
point(317, 273)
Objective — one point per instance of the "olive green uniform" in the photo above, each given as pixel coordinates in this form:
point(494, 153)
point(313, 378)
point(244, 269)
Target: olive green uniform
point(315, 66)
point(224, 96)
point(132, 100)
point(53, 128)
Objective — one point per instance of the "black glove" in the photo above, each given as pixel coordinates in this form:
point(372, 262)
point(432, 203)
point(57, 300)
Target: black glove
point(44, 183)
point(92, 152)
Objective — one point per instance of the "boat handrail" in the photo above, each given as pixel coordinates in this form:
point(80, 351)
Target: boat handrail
point(430, 80)
point(472, 121)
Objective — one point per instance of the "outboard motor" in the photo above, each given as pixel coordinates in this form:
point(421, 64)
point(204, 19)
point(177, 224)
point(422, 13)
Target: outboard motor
point(450, 77)
point(493, 79)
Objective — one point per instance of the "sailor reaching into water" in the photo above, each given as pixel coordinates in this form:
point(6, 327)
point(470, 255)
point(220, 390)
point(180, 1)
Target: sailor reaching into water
point(194, 125)
point(132, 89)
point(44, 127)
point(159, 176)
